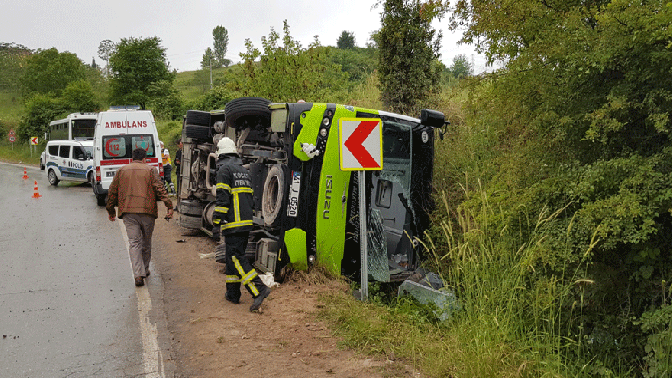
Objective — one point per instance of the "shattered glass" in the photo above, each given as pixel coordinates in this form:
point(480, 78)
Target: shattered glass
point(444, 299)
point(377, 248)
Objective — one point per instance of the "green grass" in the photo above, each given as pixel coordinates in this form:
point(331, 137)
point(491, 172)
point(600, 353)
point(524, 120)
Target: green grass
point(20, 152)
point(11, 107)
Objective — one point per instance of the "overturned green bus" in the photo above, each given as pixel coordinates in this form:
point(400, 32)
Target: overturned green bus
point(306, 207)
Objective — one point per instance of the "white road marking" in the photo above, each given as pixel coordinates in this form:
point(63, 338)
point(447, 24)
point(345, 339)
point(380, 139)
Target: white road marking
point(152, 355)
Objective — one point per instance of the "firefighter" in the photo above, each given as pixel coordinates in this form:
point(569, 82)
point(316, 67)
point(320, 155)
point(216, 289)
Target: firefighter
point(233, 219)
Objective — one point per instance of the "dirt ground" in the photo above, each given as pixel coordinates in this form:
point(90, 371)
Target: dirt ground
point(214, 338)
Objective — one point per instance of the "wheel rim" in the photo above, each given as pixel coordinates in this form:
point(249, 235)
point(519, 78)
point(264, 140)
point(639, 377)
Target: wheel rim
point(52, 177)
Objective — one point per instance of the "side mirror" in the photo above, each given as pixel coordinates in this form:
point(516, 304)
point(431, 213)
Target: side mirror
point(432, 118)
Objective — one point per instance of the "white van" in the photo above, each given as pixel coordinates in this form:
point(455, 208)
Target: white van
point(68, 160)
point(117, 134)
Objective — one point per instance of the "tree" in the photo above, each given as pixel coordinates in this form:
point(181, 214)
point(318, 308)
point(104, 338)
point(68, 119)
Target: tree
point(408, 48)
point(49, 72)
point(461, 67)
point(221, 42)
point(12, 65)
point(208, 59)
point(40, 110)
point(105, 51)
point(78, 96)
point(346, 40)
point(136, 65)
point(289, 72)
point(584, 100)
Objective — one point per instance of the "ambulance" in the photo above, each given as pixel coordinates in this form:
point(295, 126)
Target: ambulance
point(118, 132)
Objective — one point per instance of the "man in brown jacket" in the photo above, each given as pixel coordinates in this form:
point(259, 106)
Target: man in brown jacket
point(135, 189)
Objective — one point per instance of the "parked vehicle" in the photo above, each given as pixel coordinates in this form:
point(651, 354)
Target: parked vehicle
point(76, 126)
point(117, 134)
point(306, 208)
point(68, 160)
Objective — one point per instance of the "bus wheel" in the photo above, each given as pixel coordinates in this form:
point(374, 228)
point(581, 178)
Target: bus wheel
point(53, 179)
point(271, 198)
point(251, 109)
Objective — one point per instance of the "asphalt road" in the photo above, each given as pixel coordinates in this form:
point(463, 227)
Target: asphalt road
point(68, 306)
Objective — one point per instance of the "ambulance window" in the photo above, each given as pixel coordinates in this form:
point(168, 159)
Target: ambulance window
point(145, 142)
point(53, 150)
point(114, 147)
point(64, 152)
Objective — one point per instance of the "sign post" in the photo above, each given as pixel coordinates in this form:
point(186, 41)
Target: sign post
point(361, 149)
point(33, 142)
point(12, 137)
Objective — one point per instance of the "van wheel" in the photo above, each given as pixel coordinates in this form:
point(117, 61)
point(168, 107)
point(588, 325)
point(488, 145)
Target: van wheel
point(42, 166)
point(198, 117)
point(251, 109)
point(53, 179)
point(101, 199)
point(274, 192)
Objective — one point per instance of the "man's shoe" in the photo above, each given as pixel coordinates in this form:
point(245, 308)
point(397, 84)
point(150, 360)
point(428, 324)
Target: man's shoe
point(139, 281)
point(146, 272)
point(231, 298)
point(260, 298)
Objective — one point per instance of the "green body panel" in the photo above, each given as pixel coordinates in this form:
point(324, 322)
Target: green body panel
point(331, 215)
point(311, 127)
point(295, 241)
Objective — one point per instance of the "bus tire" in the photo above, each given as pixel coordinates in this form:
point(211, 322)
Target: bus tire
point(272, 196)
point(254, 109)
point(198, 132)
point(53, 179)
point(198, 118)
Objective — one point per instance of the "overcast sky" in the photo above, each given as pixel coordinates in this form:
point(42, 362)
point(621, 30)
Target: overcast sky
point(185, 26)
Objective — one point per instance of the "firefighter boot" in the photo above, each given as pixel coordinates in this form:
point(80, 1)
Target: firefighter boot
point(260, 298)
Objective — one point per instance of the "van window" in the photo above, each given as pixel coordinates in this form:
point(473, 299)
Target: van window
point(78, 153)
point(53, 150)
point(64, 152)
point(121, 146)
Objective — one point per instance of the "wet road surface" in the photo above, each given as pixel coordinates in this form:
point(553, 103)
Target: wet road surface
point(68, 306)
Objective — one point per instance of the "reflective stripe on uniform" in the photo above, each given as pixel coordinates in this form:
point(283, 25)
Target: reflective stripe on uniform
point(232, 279)
point(221, 209)
point(215, 221)
point(246, 279)
point(223, 186)
point(242, 190)
point(236, 207)
point(237, 224)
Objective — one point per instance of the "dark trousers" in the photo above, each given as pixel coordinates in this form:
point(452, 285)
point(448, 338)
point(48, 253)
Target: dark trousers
point(179, 179)
point(166, 173)
point(238, 268)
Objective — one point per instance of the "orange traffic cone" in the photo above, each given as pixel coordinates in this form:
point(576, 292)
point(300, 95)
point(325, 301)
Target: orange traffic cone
point(36, 194)
point(25, 174)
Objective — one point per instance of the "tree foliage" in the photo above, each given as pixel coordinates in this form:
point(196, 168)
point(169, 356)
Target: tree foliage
point(220, 38)
point(582, 110)
point(346, 40)
point(208, 59)
point(289, 72)
point(461, 67)
point(12, 65)
point(408, 46)
point(136, 66)
point(40, 110)
point(49, 72)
